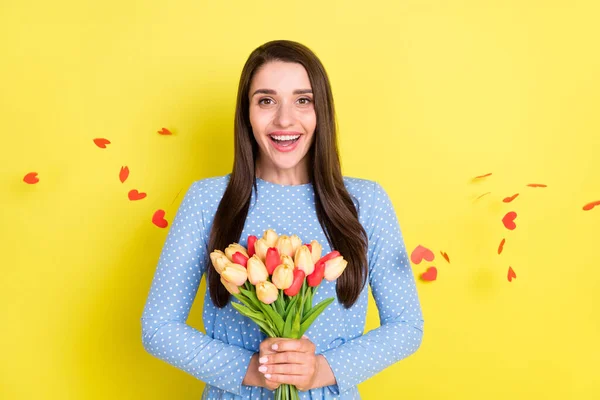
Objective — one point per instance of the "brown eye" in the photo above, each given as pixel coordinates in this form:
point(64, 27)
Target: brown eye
point(306, 100)
point(261, 101)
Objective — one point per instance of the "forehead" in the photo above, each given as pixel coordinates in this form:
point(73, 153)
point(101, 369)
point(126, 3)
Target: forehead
point(280, 76)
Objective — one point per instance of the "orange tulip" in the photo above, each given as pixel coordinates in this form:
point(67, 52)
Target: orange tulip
point(234, 248)
point(266, 292)
point(334, 268)
point(231, 288)
point(284, 246)
point(315, 250)
point(287, 260)
point(260, 248)
point(235, 273)
point(303, 260)
point(283, 276)
point(257, 271)
point(296, 242)
point(219, 260)
point(271, 237)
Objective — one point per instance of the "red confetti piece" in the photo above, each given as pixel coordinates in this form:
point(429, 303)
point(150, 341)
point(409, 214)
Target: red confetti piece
point(537, 185)
point(483, 176)
point(509, 220)
point(165, 131)
point(123, 174)
point(430, 274)
point(445, 255)
point(501, 247)
point(511, 198)
point(159, 220)
point(420, 253)
point(31, 178)
point(101, 142)
point(591, 205)
point(135, 195)
point(482, 195)
point(511, 274)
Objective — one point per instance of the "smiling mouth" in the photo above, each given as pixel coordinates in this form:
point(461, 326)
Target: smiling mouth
point(284, 140)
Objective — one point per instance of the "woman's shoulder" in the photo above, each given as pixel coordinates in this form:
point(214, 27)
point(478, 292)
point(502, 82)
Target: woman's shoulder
point(361, 187)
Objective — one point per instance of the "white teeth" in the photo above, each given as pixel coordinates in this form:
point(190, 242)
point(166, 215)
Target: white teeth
point(285, 137)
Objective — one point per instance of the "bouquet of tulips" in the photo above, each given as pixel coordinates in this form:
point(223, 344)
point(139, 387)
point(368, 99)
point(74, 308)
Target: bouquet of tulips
point(275, 279)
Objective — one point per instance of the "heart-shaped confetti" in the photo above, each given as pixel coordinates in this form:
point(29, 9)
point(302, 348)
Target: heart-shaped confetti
point(159, 220)
point(537, 185)
point(509, 220)
point(511, 274)
point(123, 174)
point(135, 195)
point(445, 255)
point(501, 247)
point(165, 131)
point(31, 178)
point(420, 253)
point(511, 198)
point(430, 274)
point(101, 142)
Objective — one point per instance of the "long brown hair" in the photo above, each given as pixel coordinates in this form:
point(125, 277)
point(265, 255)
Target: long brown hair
point(334, 207)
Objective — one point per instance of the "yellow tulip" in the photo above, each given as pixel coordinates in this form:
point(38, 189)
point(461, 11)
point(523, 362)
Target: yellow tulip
point(261, 246)
point(271, 237)
point(316, 250)
point(266, 292)
point(235, 273)
point(231, 288)
point(233, 248)
point(303, 260)
point(283, 276)
point(257, 271)
point(296, 242)
point(284, 246)
point(219, 260)
point(334, 268)
point(287, 260)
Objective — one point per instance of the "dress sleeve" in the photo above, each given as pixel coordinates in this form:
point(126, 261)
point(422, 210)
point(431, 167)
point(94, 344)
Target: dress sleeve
point(165, 333)
point(393, 286)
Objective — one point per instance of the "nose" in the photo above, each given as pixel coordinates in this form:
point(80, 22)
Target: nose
point(285, 115)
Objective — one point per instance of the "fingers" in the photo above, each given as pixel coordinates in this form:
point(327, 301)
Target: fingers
point(288, 357)
point(299, 345)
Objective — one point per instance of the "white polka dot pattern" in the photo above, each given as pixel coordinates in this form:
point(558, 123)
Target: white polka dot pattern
point(220, 357)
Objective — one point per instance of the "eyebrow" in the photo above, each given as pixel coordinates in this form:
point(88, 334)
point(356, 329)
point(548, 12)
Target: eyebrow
point(270, 91)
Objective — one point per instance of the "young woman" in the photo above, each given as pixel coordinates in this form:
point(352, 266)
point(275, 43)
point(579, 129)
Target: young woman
point(286, 176)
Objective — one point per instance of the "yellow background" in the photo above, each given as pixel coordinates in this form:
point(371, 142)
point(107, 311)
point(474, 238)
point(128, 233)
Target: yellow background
point(429, 94)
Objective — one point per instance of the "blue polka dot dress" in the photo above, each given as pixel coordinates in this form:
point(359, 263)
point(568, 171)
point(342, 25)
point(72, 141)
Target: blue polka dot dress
point(220, 358)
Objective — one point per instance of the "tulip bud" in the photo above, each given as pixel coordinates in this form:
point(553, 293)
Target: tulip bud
point(283, 276)
point(284, 246)
point(257, 271)
point(234, 248)
point(296, 242)
point(231, 288)
point(266, 292)
point(239, 258)
point(219, 260)
point(296, 283)
point(271, 237)
point(316, 277)
point(330, 256)
point(272, 259)
point(334, 268)
point(235, 273)
point(251, 240)
point(287, 260)
point(303, 260)
point(315, 250)
point(260, 248)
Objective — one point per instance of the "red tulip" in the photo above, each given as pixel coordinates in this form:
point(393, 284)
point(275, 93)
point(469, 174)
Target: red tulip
point(251, 240)
point(239, 258)
point(272, 259)
point(296, 284)
point(316, 277)
point(330, 256)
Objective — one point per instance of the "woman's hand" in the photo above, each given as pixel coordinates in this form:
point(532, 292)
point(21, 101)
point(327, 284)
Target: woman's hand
point(288, 361)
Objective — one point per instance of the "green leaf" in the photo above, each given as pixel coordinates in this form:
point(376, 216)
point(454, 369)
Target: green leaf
point(278, 306)
point(313, 314)
point(289, 306)
point(246, 302)
point(273, 316)
point(296, 324)
point(308, 301)
point(287, 328)
point(252, 297)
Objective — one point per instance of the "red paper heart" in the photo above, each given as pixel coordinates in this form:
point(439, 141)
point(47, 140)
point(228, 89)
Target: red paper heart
point(135, 195)
point(101, 142)
point(31, 178)
point(123, 174)
point(509, 220)
point(420, 253)
point(534, 185)
point(445, 255)
point(501, 246)
point(511, 274)
point(511, 198)
point(591, 205)
point(430, 274)
point(159, 220)
point(164, 131)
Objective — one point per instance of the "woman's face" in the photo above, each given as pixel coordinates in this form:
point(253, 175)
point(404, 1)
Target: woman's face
point(282, 115)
